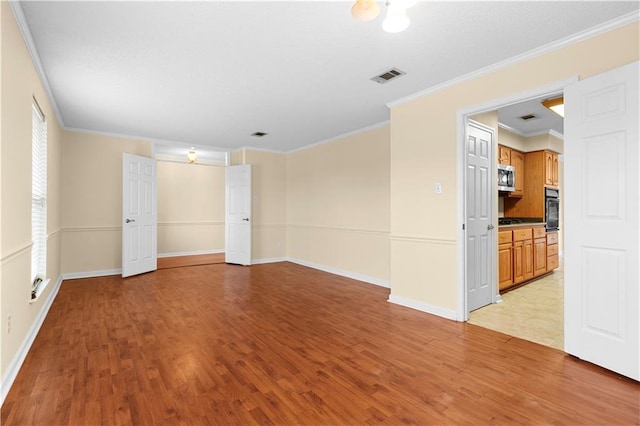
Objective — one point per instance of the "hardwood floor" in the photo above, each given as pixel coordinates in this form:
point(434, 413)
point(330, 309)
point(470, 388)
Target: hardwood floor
point(285, 344)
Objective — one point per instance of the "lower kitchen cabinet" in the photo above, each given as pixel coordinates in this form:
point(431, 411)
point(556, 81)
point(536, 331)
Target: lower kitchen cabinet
point(525, 253)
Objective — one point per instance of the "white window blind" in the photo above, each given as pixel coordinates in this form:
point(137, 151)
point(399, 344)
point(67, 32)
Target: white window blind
point(38, 195)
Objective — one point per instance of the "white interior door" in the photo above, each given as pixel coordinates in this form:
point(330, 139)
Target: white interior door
point(479, 223)
point(601, 220)
point(139, 215)
point(238, 214)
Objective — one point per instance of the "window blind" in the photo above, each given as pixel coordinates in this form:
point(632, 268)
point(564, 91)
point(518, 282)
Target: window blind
point(38, 194)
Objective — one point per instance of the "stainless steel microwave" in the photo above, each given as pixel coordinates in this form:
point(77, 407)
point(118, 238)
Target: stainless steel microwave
point(506, 178)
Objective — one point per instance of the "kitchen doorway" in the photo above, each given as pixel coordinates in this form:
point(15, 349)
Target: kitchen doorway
point(535, 311)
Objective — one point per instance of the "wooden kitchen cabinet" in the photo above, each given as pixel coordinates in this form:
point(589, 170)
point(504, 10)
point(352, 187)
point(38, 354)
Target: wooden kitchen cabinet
point(504, 155)
point(513, 158)
point(539, 251)
point(505, 260)
point(552, 250)
point(551, 169)
point(517, 161)
point(522, 255)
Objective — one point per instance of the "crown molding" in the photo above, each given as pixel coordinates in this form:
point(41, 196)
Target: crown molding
point(531, 54)
point(21, 21)
point(342, 136)
point(532, 134)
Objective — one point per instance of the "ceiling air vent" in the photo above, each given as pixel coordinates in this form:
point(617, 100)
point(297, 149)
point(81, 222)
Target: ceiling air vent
point(387, 76)
point(528, 117)
point(259, 134)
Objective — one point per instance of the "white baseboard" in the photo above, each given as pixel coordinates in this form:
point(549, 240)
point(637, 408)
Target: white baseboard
point(189, 253)
point(91, 274)
point(12, 370)
point(347, 274)
point(268, 260)
point(424, 307)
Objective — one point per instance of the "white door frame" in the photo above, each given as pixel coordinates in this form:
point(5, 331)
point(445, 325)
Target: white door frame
point(462, 312)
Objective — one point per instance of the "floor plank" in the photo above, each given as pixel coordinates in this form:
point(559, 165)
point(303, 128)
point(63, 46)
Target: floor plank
point(284, 344)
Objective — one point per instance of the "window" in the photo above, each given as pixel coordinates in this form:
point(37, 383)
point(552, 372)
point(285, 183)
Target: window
point(38, 196)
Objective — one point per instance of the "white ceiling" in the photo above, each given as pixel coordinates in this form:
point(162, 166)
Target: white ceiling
point(212, 73)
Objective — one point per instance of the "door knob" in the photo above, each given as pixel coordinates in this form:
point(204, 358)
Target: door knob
point(130, 220)
point(246, 218)
point(490, 227)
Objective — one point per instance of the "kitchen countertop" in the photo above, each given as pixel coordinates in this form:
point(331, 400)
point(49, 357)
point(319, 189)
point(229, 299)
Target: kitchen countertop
point(522, 225)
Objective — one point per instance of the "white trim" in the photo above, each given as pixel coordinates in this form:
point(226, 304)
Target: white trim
point(91, 274)
point(342, 136)
point(189, 253)
point(268, 260)
point(337, 229)
point(423, 240)
point(343, 273)
point(21, 21)
point(253, 148)
point(15, 253)
point(556, 134)
point(18, 359)
point(421, 306)
point(531, 54)
point(93, 229)
point(200, 223)
point(461, 124)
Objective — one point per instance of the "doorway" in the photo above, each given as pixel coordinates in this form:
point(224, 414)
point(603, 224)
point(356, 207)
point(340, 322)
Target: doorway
point(524, 312)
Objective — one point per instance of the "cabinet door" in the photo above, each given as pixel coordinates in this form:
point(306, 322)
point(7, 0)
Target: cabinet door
point(505, 278)
point(517, 161)
point(518, 262)
point(548, 168)
point(539, 256)
point(504, 155)
point(554, 170)
point(527, 259)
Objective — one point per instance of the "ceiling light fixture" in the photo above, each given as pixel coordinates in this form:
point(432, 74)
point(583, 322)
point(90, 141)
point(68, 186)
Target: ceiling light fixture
point(365, 10)
point(556, 105)
point(192, 157)
point(396, 19)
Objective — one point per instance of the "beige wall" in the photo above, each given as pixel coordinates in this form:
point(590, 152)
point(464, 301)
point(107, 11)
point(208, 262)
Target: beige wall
point(92, 200)
point(190, 208)
point(268, 204)
point(20, 84)
point(338, 205)
point(424, 151)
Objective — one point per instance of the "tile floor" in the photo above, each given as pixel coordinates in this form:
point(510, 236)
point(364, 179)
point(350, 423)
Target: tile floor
point(533, 312)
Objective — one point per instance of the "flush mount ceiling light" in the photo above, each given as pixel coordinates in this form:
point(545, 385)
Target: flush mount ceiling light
point(556, 105)
point(396, 19)
point(192, 157)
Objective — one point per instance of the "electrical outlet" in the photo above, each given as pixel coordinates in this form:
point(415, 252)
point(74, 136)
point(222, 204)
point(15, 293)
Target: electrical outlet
point(438, 188)
point(8, 324)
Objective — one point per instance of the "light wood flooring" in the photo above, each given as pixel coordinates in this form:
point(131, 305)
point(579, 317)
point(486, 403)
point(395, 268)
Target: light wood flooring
point(288, 345)
point(533, 312)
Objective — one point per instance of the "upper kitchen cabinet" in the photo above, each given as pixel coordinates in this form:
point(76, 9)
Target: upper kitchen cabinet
point(551, 169)
point(513, 158)
point(504, 155)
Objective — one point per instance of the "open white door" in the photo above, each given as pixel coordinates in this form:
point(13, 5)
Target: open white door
point(602, 220)
point(237, 235)
point(139, 215)
point(481, 282)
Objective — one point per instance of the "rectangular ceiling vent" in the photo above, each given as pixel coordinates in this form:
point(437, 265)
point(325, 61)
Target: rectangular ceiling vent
point(387, 76)
point(528, 117)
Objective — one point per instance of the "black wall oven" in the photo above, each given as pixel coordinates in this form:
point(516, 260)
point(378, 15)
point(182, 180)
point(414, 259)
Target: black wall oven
point(552, 208)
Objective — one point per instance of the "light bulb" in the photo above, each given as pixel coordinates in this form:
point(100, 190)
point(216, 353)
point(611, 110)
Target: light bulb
point(365, 10)
point(396, 20)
